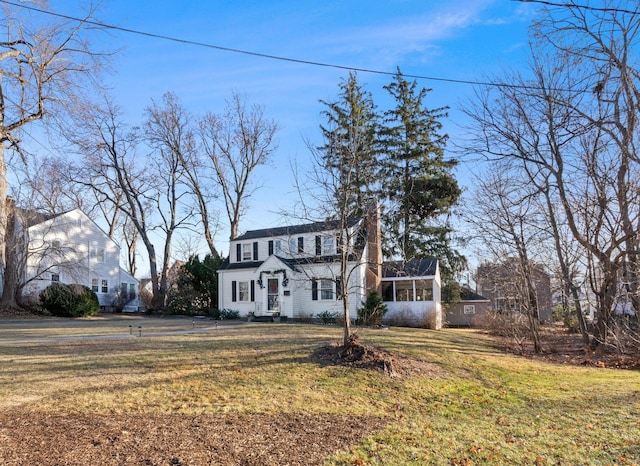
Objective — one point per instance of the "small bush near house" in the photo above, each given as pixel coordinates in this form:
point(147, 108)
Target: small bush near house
point(372, 310)
point(229, 314)
point(69, 300)
point(327, 317)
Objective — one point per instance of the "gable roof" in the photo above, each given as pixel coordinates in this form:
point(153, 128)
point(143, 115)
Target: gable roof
point(295, 229)
point(423, 267)
point(30, 217)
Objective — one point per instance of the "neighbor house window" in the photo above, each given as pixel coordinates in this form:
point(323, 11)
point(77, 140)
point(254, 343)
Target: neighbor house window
point(132, 291)
point(94, 285)
point(55, 277)
point(470, 309)
point(277, 246)
point(55, 245)
point(301, 244)
point(328, 245)
point(105, 286)
point(293, 246)
point(326, 289)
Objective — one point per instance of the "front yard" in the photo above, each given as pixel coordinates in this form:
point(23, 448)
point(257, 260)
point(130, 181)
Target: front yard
point(258, 394)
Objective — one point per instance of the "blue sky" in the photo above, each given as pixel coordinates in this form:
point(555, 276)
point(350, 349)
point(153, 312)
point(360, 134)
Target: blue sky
point(462, 40)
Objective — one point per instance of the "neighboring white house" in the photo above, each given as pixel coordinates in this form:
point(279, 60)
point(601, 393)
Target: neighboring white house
point(295, 271)
point(71, 248)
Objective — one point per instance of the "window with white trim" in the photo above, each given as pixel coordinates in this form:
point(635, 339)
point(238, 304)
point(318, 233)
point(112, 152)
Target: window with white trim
point(469, 308)
point(326, 289)
point(55, 277)
point(247, 252)
point(328, 245)
point(243, 291)
point(105, 286)
point(94, 285)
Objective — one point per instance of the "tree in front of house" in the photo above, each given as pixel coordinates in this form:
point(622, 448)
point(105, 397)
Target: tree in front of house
point(345, 176)
point(350, 150)
point(420, 189)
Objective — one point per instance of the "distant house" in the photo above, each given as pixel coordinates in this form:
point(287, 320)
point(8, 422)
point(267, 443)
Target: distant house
point(295, 271)
point(503, 284)
point(470, 311)
point(70, 248)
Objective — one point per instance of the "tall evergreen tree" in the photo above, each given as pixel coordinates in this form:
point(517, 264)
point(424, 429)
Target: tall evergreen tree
point(419, 185)
point(351, 146)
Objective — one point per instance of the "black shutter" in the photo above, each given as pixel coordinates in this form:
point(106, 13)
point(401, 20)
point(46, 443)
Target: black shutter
point(253, 290)
point(338, 289)
point(233, 291)
point(314, 289)
point(238, 252)
point(301, 244)
point(318, 245)
point(338, 244)
point(255, 251)
point(271, 247)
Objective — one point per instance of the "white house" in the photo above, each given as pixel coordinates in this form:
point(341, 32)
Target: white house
point(71, 248)
point(292, 270)
point(295, 271)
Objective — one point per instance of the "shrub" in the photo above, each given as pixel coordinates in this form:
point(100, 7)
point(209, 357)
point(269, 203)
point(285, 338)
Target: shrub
point(327, 317)
point(372, 310)
point(69, 300)
point(229, 314)
point(567, 315)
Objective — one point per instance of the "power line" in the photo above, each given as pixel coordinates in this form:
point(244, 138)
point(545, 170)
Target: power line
point(261, 55)
point(582, 7)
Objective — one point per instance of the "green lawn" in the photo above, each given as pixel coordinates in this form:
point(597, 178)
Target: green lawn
point(475, 406)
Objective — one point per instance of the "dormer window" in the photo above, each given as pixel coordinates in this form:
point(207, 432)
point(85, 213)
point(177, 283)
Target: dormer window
point(246, 252)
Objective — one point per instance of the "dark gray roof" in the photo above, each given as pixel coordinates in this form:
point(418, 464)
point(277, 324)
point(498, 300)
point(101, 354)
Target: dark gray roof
point(292, 263)
point(31, 217)
point(294, 229)
point(226, 265)
point(469, 295)
point(412, 268)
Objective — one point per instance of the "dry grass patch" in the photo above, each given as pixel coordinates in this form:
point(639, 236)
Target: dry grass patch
point(248, 386)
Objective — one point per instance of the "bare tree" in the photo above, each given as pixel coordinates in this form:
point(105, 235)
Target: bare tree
point(168, 181)
point(236, 142)
point(45, 68)
point(170, 126)
point(506, 215)
point(111, 169)
point(573, 122)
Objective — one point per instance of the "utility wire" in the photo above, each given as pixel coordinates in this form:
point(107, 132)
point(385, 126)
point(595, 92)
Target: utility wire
point(262, 55)
point(582, 7)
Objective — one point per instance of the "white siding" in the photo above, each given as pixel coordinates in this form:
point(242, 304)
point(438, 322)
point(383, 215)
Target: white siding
point(72, 246)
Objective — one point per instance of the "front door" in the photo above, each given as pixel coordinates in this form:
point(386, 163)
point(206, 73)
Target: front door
point(272, 294)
